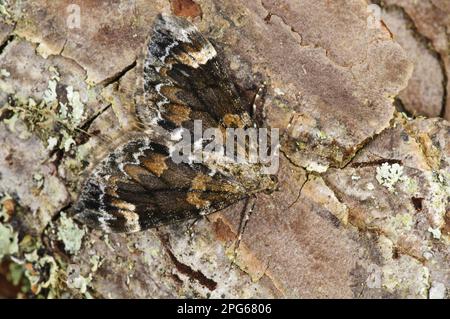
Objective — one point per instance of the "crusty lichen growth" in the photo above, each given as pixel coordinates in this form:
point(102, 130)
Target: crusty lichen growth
point(36, 266)
point(70, 234)
point(8, 241)
point(77, 281)
point(438, 197)
point(31, 266)
point(404, 275)
point(9, 244)
point(4, 73)
point(55, 122)
point(3, 9)
point(389, 175)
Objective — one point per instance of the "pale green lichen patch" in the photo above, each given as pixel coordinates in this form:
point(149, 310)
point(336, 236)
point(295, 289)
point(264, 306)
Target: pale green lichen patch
point(76, 281)
point(4, 73)
point(322, 135)
point(3, 10)
point(35, 270)
point(438, 198)
point(66, 141)
point(15, 274)
point(410, 185)
point(38, 180)
point(8, 241)
point(50, 94)
point(72, 111)
point(401, 275)
point(56, 123)
point(437, 291)
point(436, 232)
point(403, 222)
point(70, 234)
point(52, 142)
point(42, 272)
point(389, 175)
point(77, 106)
point(80, 283)
point(96, 262)
point(316, 167)
point(399, 226)
point(406, 275)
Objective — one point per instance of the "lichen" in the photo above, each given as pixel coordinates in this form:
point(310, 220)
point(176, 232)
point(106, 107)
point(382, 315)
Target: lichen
point(76, 281)
point(42, 272)
point(410, 185)
point(388, 175)
point(96, 262)
point(34, 270)
point(322, 135)
point(437, 291)
point(15, 274)
point(51, 143)
point(4, 214)
point(54, 122)
point(438, 197)
point(316, 167)
point(38, 180)
point(3, 10)
point(70, 234)
point(370, 187)
point(406, 275)
point(77, 106)
point(66, 142)
point(403, 222)
point(8, 241)
point(50, 93)
point(82, 153)
point(4, 73)
point(11, 122)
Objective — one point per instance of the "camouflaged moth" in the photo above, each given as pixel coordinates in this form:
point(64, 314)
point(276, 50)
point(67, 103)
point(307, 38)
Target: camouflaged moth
point(139, 185)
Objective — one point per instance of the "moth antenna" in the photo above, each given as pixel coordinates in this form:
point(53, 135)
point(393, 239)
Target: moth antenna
point(104, 138)
point(245, 217)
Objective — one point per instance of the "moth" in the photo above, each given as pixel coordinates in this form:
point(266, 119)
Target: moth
point(139, 185)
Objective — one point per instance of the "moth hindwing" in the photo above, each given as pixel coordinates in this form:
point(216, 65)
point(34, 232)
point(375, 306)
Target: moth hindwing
point(139, 185)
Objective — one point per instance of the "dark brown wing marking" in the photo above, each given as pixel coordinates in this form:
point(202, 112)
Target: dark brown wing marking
point(138, 186)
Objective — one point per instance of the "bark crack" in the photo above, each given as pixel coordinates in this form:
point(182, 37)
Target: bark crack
point(300, 190)
point(186, 269)
point(267, 19)
point(374, 230)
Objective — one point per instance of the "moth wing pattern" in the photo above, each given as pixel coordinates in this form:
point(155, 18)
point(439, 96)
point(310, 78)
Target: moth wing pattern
point(184, 80)
point(138, 186)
